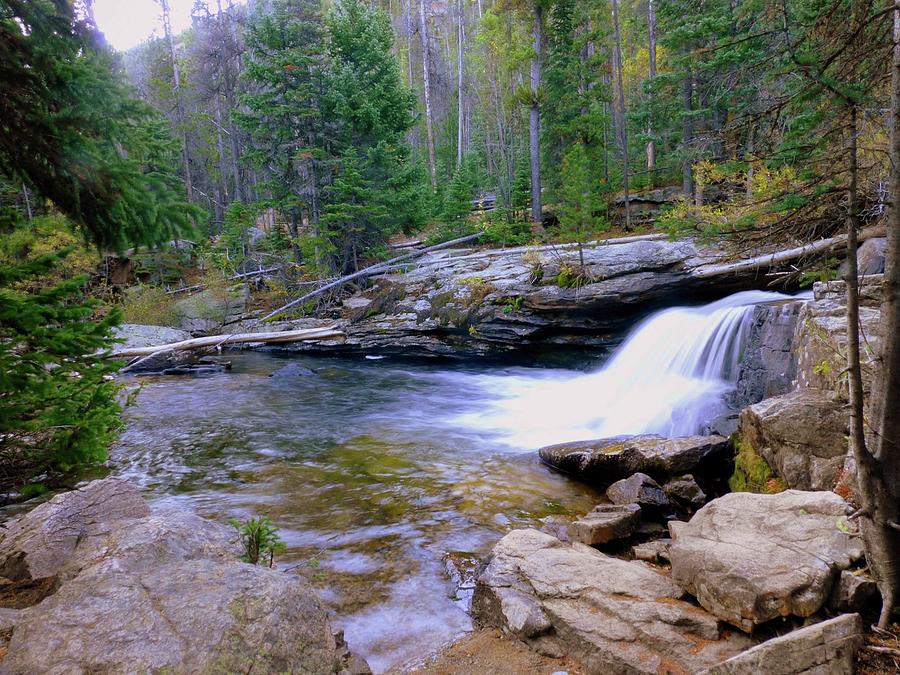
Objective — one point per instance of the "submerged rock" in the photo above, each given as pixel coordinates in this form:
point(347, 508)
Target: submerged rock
point(638, 489)
point(825, 648)
point(607, 460)
point(292, 370)
point(143, 589)
point(607, 522)
point(611, 615)
point(801, 435)
point(749, 558)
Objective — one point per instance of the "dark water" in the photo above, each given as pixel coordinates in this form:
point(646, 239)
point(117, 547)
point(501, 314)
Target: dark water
point(367, 468)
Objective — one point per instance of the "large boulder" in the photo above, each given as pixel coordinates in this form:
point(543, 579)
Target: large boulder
point(210, 310)
point(825, 648)
point(749, 558)
point(607, 460)
point(134, 335)
point(801, 435)
point(140, 589)
point(611, 615)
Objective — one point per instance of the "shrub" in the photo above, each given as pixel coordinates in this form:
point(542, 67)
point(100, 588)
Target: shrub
point(150, 306)
point(58, 406)
point(259, 539)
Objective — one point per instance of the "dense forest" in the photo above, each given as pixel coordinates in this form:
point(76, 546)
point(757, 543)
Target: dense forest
point(313, 139)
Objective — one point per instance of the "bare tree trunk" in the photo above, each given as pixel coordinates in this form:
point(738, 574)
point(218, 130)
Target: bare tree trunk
point(409, 50)
point(294, 230)
point(426, 79)
point(651, 32)
point(620, 98)
point(534, 124)
point(687, 135)
point(460, 117)
point(179, 109)
point(882, 528)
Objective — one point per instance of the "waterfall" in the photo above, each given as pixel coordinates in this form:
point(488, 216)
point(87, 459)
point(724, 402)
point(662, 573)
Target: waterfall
point(670, 377)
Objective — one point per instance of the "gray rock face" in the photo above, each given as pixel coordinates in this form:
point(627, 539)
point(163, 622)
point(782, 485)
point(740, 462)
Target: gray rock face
point(825, 648)
point(607, 460)
point(209, 310)
point(869, 257)
point(610, 615)
point(749, 558)
point(607, 522)
point(801, 435)
point(465, 302)
point(820, 339)
point(638, 489)
point(136, 335)
point(156, 590)
point(768, 366)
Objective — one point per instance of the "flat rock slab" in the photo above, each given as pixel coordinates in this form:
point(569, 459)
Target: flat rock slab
point(604, 461)
point(140, 589)
point(825, 648)
point(611, 615)
point(607, 522)
point(749, 558)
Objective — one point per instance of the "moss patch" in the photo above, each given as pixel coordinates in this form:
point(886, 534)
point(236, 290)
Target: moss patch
point(752, 473)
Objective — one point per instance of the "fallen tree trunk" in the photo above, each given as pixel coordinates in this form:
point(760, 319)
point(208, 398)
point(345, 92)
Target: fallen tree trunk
point(238, 338)
point(773, 259)
point(368, 272)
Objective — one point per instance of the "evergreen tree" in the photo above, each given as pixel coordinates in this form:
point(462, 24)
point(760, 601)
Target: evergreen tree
point(72, 129)
point(373, 111)
point(581, 207)
point(283, 113)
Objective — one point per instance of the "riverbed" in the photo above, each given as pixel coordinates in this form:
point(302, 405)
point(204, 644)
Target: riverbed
point(368, 469)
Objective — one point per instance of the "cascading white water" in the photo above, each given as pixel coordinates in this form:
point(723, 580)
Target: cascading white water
point(669, 377)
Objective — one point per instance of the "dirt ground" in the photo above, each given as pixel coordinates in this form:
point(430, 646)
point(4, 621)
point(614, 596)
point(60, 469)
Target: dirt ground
point(488, 652)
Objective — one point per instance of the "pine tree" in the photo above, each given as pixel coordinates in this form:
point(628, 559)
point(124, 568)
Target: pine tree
point(284, 114)
point(372, 110)
point(73, 130)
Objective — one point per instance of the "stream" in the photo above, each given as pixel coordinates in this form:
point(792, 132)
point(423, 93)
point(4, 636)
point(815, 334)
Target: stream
point(374, 469)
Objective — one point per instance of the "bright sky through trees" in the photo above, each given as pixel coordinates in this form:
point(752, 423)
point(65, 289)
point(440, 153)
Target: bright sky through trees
point(127, 23)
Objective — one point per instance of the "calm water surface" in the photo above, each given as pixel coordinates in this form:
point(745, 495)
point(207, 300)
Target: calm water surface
point(367, 467)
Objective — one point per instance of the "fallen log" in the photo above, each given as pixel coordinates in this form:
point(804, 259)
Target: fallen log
point(326, 333)
point(368, 272)
point(236, 277)
point(787, 255)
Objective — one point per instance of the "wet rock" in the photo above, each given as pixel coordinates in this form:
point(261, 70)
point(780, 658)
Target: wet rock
point(749, 558)
point(607, 522)
point(462, 570)
point(825, 648)
point(655, 552)
point(684, 490)
point(768, 365)
point(852, 592)
point(638, 489)
point(610, 615)
point(292, 370)
point(606, 460)
point(159, 589)
point(801, 435)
